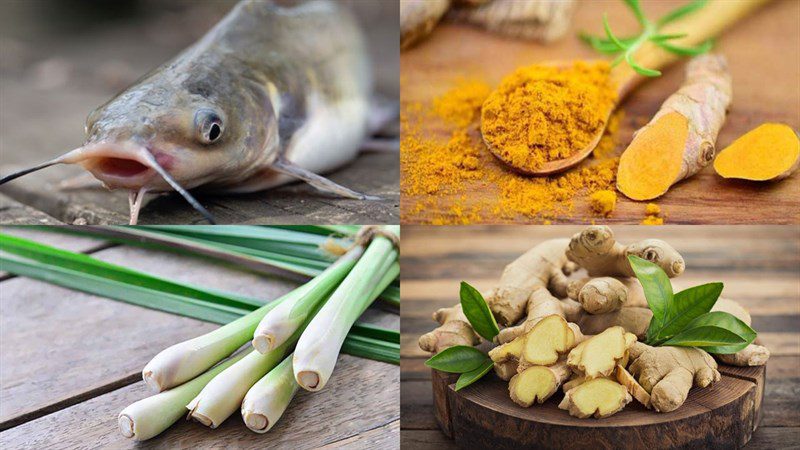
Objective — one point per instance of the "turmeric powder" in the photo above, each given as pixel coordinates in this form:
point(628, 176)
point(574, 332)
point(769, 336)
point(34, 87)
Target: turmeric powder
point(603, 202)
point(769, 152)
point(544, 113)
point(438, 170)
point(652, 215)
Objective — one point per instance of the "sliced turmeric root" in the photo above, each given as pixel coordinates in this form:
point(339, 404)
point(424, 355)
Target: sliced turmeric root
point(769, 152)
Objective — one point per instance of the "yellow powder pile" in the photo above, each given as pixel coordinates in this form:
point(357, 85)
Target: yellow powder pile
point(442, 155)
point(603, 202)
point(543, 113)
point(652, 215)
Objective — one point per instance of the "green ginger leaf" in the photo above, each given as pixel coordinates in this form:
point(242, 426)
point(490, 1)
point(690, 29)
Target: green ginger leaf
point(478, 313)
point(704, 336)
point(470, 377)
point(731, 323)
point(715, 332)
point(689, 304)
point(458, 359)
point(657, 290)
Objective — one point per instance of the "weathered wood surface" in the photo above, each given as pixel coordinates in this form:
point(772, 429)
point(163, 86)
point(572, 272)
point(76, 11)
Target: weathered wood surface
point(760, 267)
point(51, 78)
point(15, 213)
point(764, 56)
point(72, 361)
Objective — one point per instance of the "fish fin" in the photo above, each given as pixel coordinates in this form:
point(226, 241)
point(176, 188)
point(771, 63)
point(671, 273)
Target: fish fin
point(318, 182)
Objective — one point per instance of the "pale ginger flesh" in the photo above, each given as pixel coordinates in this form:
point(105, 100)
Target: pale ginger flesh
point(668, 373)
point(598, 356)
point(598, 398)
point(537, 383)
point(636, 390)
point(550, 338)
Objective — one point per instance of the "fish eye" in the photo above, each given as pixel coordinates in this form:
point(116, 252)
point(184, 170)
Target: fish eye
point(209, 126)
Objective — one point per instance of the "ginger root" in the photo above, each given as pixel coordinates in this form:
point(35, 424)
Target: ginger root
point(599, 295)
point(769, 152)
point(667, 373)
point(537, 383)
point(599, 355)
point(679, 140)
point(418, 18)
point(600, 398)
point(540, 20)
point(455, 330)
point(752, 355)
point(596, 250)
point(634, 388)
point(548, 340)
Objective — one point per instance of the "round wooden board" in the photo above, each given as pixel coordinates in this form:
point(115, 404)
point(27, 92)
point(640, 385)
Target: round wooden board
point(483, 416)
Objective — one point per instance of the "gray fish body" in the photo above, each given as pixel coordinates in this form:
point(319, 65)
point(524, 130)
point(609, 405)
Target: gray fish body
point(280, 82)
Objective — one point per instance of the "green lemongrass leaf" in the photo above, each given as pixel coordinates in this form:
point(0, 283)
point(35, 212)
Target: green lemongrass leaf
point(213, 306)
point(637, 11)
point(667, 37)
point(458, 359)
point(610, 35)
point(639, 69)
point(687, 51)
point(657, 290)
point(374, 349)
point(704, 336)
point(375, 332)
point(689, 304)
point(322, 230)
point(478, 313)
point(470, 377)
point(92, 266)
point(681, 11)
point(728, 322)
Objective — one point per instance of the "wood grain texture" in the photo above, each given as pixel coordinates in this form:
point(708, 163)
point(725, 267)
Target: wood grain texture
point(764, 56)
point(759, 265)
point(77, 358)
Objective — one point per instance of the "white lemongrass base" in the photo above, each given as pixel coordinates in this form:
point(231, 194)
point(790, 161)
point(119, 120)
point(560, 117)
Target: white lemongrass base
point(267, 400)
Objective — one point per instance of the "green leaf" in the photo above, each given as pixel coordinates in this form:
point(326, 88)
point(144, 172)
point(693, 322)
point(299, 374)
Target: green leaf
point(637, 11)
point(458, 359)
point(687, 51)
point(688, 305)
point(681, 11)
point(728, 322)
point(667, 37)
point(657, 290)
point(375, 332)
point(610, 35)
point(470, 377)
point(478, 313)
point(639, 69)
point(704, 336)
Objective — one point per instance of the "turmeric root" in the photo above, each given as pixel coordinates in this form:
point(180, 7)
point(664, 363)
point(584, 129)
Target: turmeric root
point(667, 373)
point(634, 388)
point(769, 152)
point(540, 20)
point(679, 140)
point(600, 398)
point(537, 383)
point(598, 356)
point(596, 250)
point(418, 18)
point(530, 284)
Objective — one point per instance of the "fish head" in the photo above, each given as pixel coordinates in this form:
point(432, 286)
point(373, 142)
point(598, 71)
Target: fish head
point(199, 129)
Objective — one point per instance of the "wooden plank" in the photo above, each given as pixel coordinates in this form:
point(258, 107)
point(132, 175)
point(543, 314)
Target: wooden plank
point(13, 212)
point(425, 440)
point(455, 52)
point(339, 414)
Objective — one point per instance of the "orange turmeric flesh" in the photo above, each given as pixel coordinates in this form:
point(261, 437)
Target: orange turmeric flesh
point(653, 161)
point(768, 152)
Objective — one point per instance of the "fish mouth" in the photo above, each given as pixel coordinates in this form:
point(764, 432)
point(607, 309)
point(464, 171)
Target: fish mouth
point(118, 165)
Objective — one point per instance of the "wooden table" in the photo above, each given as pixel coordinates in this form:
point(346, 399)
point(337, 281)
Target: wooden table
point(71, 362)
point(764, 56)
point(760, 267)
point(52, 77)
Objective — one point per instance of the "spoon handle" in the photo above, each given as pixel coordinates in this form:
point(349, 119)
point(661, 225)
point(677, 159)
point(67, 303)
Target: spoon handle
point(700, 26)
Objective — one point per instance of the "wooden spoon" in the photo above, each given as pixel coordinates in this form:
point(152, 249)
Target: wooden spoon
point(700, 26)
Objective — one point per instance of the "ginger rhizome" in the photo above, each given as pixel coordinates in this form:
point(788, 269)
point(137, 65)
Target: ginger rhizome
point(564, 329)
point(769, 152)
point(533, 116)
point(537, 20)
point(680, 139)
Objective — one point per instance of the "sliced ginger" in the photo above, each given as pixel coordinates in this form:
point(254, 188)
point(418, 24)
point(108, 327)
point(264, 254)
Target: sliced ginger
point(634, 388)
point(598, 356)
point(548, 339)
point(537, 383)
point(769, 152)
point(599, 398)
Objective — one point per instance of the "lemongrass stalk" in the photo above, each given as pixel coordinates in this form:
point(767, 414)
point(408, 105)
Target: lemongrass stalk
point(223, 395)
point(278, 325)
point(319, 346)
point(149, 417)
point(266, 401)
point(182, 362)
